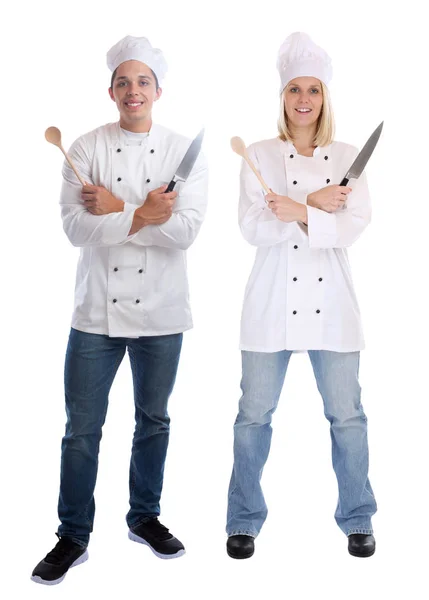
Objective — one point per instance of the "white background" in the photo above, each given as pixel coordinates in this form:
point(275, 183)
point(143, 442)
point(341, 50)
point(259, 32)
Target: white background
point(222, 76)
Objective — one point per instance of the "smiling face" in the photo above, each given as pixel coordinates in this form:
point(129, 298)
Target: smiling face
point(303, 101)
point(134, 92)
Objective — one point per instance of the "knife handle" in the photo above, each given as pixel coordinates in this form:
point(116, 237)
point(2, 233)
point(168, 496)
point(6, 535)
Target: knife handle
point(170, 186)
point(344, 181)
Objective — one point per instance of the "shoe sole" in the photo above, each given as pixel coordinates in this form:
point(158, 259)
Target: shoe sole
point(360, 555)
point(240, 557)
point(135, 538)
point(78, 561)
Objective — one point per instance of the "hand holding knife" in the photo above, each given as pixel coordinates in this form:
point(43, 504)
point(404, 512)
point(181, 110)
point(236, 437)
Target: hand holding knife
point(330, 199)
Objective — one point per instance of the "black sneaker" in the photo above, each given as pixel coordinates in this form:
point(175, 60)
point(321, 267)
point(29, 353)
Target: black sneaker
point(53, 568)
point(153, 534)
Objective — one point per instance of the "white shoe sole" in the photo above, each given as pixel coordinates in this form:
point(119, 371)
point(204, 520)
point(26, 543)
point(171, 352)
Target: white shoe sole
point(77, 562)
point(135, 538)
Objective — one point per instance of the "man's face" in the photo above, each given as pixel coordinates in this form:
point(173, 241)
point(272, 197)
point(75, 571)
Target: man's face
point(134, 92)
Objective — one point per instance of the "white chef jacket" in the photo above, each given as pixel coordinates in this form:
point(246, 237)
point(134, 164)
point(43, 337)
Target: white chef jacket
point(132, 285)
point(300, 292)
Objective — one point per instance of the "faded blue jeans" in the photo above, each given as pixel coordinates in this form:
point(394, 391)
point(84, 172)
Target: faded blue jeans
point(91, 364)
point(262, 381)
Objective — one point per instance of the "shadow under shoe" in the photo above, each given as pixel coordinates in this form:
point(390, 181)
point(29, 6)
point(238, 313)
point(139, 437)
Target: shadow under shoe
point(240, 546)
point(155, 535)
point(53, 568)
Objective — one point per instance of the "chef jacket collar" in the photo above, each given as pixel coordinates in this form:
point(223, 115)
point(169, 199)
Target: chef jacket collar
point(288, 148)
point(119, 139)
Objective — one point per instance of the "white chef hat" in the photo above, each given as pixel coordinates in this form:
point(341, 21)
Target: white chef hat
point(299, 56)
point(137, 48)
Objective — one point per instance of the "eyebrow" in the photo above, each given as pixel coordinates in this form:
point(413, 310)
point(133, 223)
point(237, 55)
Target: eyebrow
point(141, 77)
point(316, 85)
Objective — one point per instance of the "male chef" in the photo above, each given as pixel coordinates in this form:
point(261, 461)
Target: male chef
point(131, 294)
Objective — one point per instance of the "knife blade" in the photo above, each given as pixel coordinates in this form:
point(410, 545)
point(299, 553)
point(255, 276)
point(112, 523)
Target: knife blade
point(188, 162)
point(363, 157)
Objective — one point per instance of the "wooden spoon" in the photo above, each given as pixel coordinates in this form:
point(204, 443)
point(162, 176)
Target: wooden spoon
point(53, 136)
point(239, 148)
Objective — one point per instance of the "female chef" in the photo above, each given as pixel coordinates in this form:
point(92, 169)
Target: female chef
point(300, 297)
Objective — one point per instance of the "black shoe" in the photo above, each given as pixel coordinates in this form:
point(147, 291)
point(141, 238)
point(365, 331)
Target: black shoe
point(361, 545)
point(53, 568)
point(240, 546)
point(153, 534)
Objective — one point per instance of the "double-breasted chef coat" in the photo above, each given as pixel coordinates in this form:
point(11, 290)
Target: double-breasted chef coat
point(132, 285)
point(300, 292)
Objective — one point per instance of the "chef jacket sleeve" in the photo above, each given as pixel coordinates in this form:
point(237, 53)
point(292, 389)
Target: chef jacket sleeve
point(82, 227)
point(188, 213)
point(259, 226)
point(343, 227)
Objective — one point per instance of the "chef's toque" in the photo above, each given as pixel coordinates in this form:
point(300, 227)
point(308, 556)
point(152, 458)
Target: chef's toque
point(299, 56)
point(137, 48)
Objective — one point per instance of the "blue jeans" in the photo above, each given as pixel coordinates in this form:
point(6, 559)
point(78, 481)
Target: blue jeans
point(337, 380)
point(91, 364)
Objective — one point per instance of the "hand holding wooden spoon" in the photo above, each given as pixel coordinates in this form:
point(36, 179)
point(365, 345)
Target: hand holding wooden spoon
point(53, 136)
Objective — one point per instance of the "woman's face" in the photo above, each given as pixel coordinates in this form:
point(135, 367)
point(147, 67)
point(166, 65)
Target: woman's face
point(303, 100)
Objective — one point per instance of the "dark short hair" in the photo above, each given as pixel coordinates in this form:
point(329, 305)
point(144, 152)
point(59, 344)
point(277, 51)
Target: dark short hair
point(114, 75)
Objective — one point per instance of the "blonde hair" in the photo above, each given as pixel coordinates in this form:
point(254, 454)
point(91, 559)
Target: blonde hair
point(325, 127)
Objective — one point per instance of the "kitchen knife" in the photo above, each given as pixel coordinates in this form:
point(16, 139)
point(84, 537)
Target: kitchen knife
point(363, 157)
point(188, 162)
